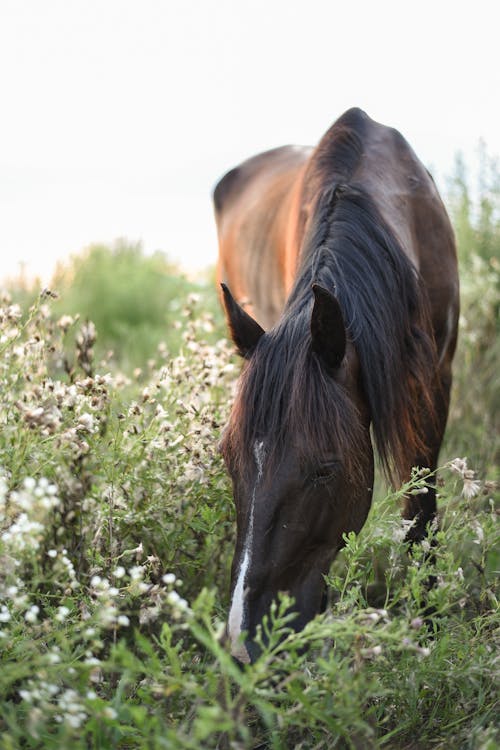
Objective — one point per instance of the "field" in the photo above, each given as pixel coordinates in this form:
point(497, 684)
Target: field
point(117, 529)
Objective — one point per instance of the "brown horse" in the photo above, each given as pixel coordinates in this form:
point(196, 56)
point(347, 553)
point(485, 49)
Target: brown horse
point(346, 256)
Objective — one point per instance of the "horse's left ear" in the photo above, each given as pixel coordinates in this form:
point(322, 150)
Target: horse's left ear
point(327, 328)
point(245, 331)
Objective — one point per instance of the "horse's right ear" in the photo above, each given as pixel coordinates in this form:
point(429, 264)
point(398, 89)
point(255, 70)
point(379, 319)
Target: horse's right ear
point(327, 328)
point(245, 331)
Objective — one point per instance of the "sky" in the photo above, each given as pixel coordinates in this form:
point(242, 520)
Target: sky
point(119, 116)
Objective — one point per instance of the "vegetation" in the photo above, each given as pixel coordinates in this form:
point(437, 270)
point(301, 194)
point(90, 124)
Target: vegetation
point(117, 530)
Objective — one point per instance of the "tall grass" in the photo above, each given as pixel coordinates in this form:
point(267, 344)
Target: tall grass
point(474, 425)
point(116, 535)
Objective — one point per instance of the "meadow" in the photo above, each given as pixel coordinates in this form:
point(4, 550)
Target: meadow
point(117, 530)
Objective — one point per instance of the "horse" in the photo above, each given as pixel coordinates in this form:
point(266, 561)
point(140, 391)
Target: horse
point(338, 275)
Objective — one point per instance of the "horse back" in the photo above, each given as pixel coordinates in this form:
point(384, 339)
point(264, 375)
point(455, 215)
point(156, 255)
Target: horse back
point(265, 206)
point(258, 212)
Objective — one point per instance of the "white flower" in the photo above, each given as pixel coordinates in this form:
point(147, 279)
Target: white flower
point(123, 620)
point(32, 614)
point(136, 573)
point(168, 578)
point(479, 531)
point(64, 322)
point(471, 486)
point(53, 657)
point(85, 422)
point(119, 572)
point(459, 466)
point(62, 613)
point(401, 529)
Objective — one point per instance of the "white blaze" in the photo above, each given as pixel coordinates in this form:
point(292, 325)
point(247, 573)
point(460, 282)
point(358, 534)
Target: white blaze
point(238, 602)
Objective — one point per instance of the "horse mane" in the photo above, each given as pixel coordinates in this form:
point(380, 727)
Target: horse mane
point(284, 390)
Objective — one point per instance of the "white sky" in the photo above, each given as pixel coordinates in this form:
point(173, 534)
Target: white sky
point(118, 116)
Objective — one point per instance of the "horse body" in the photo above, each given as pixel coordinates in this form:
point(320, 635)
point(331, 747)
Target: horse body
point(346, 255)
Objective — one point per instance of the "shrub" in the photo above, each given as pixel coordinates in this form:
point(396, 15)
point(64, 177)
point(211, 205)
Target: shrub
point(133, 299)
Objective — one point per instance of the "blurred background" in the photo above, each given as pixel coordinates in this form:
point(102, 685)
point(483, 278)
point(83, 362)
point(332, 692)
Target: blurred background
point(118, 117)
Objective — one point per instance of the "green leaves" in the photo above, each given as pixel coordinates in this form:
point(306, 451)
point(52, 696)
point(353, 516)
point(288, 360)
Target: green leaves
point(116, 537)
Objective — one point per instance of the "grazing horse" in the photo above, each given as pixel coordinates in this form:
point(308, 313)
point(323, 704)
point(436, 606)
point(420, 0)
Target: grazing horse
point(344, 303)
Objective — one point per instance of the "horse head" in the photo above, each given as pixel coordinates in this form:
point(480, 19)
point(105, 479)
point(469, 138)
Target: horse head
point(298, 450)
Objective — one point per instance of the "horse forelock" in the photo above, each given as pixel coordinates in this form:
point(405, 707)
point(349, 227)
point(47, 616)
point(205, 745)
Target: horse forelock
point(285, 396)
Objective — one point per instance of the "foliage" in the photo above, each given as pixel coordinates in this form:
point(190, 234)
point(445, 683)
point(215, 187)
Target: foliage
point(134, 300)
point(475, 412)
point(476, 217)
point(117, 530)
point(115, 543)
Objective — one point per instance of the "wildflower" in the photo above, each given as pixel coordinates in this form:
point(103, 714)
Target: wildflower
point(92, 661)
point(459, 466)
point(23, 533)
point(65, 322)
point(32, 614)
point(4, 614)
point(53, 656)
point(123, 620)
point(471, 486)
point(168, 578)
point(73, 712)
point(136, 573)
point(62, 613)
point(85, 422)
point(179, 605)
point(479, 532)
point(401, 529)
point(425, 544)
point(119, 572)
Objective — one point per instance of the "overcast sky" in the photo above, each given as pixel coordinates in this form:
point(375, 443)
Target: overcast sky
point(118, 116)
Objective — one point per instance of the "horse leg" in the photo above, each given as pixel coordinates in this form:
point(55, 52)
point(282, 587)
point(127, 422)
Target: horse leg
point(421, 508)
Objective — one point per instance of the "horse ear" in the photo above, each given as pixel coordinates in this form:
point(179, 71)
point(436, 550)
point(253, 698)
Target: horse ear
point(327, 328)
point(245, 331)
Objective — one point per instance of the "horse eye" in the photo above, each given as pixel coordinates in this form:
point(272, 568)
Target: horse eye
point(325, 473)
